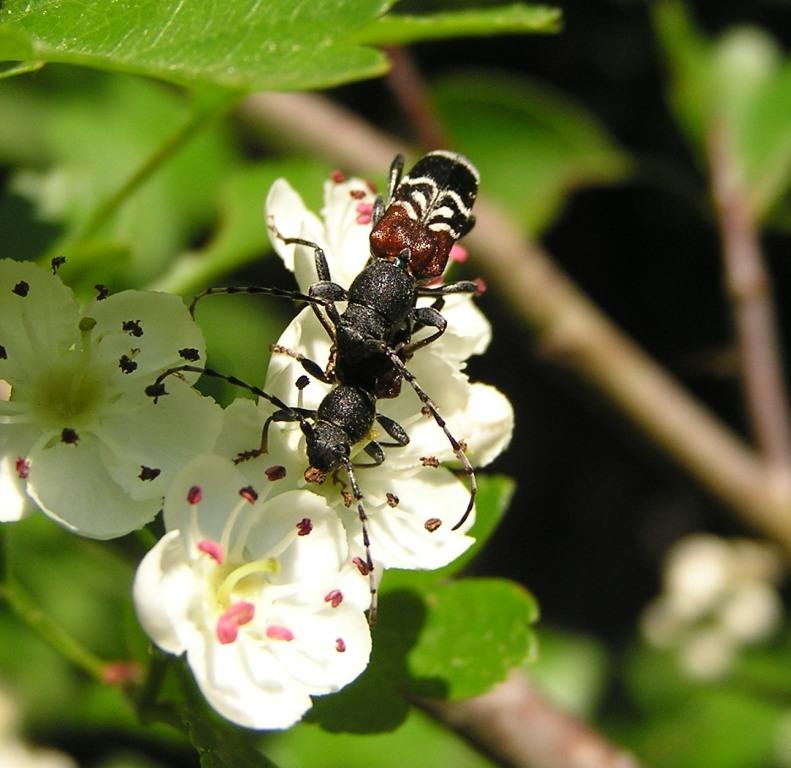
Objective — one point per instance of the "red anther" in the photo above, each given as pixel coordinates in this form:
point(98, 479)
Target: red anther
point(340, 645)
point(361, 565)
point(275, 472)
point(194, 495)
point(236, 616)
point(275, 632)
point(458, 253)
point(212, 549)
point(481, 283)
point(392, 499)
point(334, 598)
point(304, 526)
point(347, 498)
point(337, 176)
point(429, 461)
point(357, 194)
point(248, 493)
point(432, 524)
point(22, 468)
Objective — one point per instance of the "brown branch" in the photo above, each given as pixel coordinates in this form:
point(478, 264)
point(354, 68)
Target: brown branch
point(409, 88)
point(564, 319)
point(751, 303)
point(523, 730)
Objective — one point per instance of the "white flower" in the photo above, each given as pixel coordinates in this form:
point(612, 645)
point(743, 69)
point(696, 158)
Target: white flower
point(251, 584)
point(719, 596)
point(79, 435)
point(412, 508)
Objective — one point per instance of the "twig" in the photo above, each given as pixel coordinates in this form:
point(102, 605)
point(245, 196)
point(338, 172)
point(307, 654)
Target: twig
point(564, 319)
point(751, 302)
point(523, 730)
point(408, 87)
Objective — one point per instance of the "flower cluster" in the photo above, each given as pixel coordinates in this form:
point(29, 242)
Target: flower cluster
point(262, 578)
point(719, 596)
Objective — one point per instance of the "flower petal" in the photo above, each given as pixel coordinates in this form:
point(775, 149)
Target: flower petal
point(468, 332)
point(247, 685)
point(313, 657)
point(285, 210)
point(14, 504)
point(16, 441)
point(38, 319)
point(160, 437)
point(241, 432)
point(147, 327)
point(70, 483)
point(163, 592)
point(346, 231)
point(399, 536)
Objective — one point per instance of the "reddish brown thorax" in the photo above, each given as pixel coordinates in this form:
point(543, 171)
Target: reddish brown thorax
point(428, 249)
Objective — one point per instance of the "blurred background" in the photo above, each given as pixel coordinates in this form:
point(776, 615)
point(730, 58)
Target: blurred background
point(576, 136)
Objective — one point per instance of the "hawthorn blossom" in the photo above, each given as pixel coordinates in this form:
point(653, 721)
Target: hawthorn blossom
point(251, 583)
point(411, 504)
point(719, 596)
point(78, 434)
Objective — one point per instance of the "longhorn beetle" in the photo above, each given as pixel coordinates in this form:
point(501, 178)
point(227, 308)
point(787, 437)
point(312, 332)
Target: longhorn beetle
point(344, 417)
point(428, 209)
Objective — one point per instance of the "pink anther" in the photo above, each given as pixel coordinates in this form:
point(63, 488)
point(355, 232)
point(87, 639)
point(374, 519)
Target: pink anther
point(212, 549)
point(237, 615)
point(276, 632)
point(458, 253)
point(364, 212)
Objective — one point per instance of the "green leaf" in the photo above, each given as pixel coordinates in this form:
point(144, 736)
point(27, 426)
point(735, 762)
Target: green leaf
point(475, 632)
point(738, 87)
point(398, 29)
point(307, 746)
point(456, 640)
point(78, 136)
point(220, 745)
point(494, 497)
point(238, 44)
point(571, 671)
point(532, 146)
point(736, 721)
point(241, 236)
